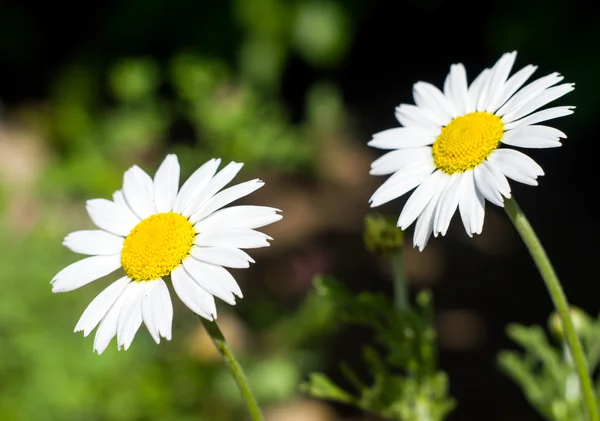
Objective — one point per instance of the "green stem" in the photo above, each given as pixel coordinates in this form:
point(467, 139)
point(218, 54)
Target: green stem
point(558, 297)
point(400, 289)
point(234, 367)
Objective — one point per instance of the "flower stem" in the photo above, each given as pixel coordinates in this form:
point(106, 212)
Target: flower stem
point(400, 289)
point(234, 367)
point(558, 297)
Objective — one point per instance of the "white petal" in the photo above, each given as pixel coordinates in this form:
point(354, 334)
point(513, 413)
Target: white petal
point(244, 216)
point(242, 238)
point(446, 205)
point(193, 295)
point(424, 225)
point(111, 216)
point(108, 326)
point(516, 166)
point(404, 137)
point(119, 199)
point(499, 180)
point(100, 305)
point(539, 101)
point(430, 97)
point(402, 182)
point(471, 205)
point(85, 271)
point(157, 309)
point(166, 184)
point(223, 256)
point(138, 190)
point(544, 115)
point(417, 201)
point(410, 115)
point(225, 197)
point(537, 137)
point(213, 279)
point(513, 84)
point(498, 77)
point(477, 90)
point(195, 184)
point(162, 308)
point(148, 315)
point(485, 182)
point(219, 181)
point(529, 92)
point(130, 318)
point(95, 242)
point(398, 159)
point(456, 89)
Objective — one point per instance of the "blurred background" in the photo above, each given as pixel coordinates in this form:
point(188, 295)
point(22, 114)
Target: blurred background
point(295, 89)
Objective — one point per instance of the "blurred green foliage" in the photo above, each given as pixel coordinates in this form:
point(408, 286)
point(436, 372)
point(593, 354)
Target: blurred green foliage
point(545, 371)
point(99, 119)
point(223, 117)
point(406, 383)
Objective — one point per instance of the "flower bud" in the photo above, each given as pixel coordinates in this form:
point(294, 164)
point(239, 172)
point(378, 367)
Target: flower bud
point(381, 235)
point(581, 322)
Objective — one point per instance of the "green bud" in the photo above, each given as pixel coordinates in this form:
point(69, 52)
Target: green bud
point(381, 235)
point(581, 322)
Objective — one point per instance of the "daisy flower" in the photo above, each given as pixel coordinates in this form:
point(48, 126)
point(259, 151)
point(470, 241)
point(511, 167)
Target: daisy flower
point(450, 145)
point(153, 229)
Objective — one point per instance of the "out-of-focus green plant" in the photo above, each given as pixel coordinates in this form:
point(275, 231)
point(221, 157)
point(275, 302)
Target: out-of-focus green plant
point(319, 32)
point(203, 104)
point(208, 108)
point(405, 382)
point(545, 371)
point(233, 120)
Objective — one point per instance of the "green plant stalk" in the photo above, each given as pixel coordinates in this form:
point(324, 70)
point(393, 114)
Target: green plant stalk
point(234, 367)
point(400, 288)
point(559, 299)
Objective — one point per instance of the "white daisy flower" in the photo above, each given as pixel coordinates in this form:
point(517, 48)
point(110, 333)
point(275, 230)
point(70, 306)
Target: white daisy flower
point(153, 229)
point(449, 145)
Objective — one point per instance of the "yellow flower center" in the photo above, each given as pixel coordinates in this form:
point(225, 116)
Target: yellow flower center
point(467, 141)
point(156, 246)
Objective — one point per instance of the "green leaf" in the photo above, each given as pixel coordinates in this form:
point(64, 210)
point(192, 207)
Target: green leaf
point(321, 386)
point(545, 372)
point(403, 381)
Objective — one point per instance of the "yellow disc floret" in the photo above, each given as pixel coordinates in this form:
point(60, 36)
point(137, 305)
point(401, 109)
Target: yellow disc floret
point(467, 141)
point(156, 246)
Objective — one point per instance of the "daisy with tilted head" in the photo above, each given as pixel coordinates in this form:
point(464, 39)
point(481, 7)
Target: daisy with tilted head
point(450, 145)
point(153, 229)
